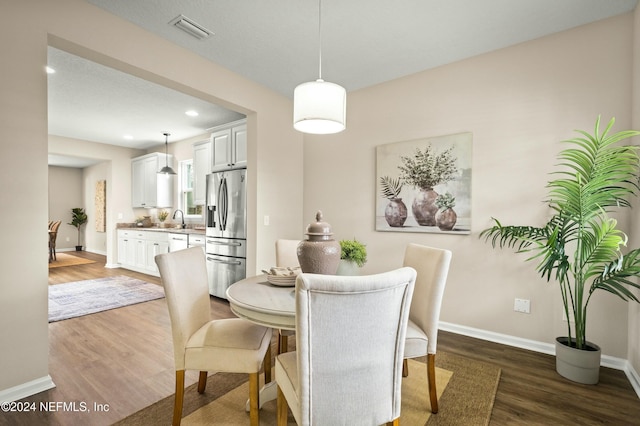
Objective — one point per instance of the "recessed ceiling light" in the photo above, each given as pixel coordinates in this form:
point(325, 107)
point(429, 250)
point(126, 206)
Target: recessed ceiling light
point(49, 70)
point(128, 137)
point(192, 113)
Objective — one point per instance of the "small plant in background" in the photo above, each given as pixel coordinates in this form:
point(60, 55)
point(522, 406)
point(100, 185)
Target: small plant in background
point(390, 188)
point(162, 215)
point(446, 201)
point(78, 218)
point(354, 251)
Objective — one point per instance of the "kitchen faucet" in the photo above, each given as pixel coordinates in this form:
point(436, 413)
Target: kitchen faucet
point(181, 215)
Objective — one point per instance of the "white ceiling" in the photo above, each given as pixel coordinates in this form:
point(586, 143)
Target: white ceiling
point(275, 43)
point(92, 102)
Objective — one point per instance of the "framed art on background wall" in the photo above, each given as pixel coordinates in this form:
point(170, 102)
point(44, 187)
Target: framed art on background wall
point(101, 205)
point(424, 185)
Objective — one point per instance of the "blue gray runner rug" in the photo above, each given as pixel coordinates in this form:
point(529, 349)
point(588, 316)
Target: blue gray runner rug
point(80, 298)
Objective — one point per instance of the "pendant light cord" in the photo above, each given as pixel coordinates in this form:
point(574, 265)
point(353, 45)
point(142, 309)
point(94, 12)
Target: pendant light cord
point(166, 149)
point(319, 39)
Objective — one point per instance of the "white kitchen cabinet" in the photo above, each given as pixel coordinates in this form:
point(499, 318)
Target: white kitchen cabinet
point(155, 245)
point(202, 158)
point(137, 249)
point(141, 254)
point(196, 240)
point(126, 253)
point(148, 189)
point(229, 146)
point(178, 242)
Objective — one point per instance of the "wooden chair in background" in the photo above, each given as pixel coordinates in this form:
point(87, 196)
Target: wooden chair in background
point(53, 236)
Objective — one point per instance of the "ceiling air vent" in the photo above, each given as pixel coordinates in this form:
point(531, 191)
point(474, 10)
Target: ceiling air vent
point(190, 27)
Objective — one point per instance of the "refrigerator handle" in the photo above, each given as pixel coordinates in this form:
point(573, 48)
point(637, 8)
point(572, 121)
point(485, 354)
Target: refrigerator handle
point(211, 216)
point(225, 243)
point(222, 202)
point(225, 262)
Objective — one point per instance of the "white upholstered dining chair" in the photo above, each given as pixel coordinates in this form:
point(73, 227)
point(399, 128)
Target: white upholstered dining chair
point(347, 367)
point(432, 267)
point(287, 252)
point(227, 345)
point(286, 255)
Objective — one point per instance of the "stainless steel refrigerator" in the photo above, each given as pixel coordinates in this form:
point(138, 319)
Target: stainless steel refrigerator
point(225, 246)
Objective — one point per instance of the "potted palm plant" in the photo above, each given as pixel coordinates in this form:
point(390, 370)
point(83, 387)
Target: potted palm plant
point(78, 218)
point(580, 247)
point(353, 255)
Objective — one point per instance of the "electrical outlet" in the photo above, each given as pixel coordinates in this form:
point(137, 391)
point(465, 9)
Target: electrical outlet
point(522, 305)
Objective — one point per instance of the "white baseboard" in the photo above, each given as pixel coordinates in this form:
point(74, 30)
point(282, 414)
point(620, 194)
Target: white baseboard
point(633, 377)
point(536, 346)
point(27, 389)
point(103, 253)
point(504, 339)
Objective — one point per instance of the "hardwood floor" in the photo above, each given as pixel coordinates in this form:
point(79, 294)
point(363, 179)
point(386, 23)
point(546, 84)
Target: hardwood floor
point(117, 362)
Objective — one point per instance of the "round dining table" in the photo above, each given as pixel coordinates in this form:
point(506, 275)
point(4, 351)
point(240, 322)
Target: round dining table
point(257, 300)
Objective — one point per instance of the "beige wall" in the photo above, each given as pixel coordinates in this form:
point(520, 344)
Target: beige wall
point(92, 239)
point(23, 172)
point(633, 351)
point(65, 193)
point(115, 168)
point(88, 31)
point(73, 187)
point(519, 103)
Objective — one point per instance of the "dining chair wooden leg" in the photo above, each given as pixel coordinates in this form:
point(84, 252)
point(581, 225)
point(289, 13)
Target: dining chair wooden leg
point(405, 368)
point(254, 396)
point(395, 422)
point(282, 409)
point(202, 381)
point(267, 365)
point(283, 343)
point(431, 377)
point(177, 407)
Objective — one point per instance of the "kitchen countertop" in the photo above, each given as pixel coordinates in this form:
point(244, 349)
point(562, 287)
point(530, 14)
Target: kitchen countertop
point(168, 230)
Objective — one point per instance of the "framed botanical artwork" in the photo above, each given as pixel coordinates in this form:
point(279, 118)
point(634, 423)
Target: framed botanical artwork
point(424, 185)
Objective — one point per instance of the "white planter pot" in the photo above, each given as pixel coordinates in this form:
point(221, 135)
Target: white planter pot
point(347, 267)
point(577, 365)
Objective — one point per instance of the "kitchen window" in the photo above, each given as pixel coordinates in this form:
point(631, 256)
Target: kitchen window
point(186, 190)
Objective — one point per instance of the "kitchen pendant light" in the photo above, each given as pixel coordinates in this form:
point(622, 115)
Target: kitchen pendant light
point(166, 170)
point(319, 107)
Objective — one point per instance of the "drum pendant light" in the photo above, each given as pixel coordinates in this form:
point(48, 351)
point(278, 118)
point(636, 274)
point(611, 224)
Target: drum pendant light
point(319, 107)
point(166, 170)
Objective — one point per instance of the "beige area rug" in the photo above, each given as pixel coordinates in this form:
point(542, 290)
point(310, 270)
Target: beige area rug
point(64, 259)
point(466, 391)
